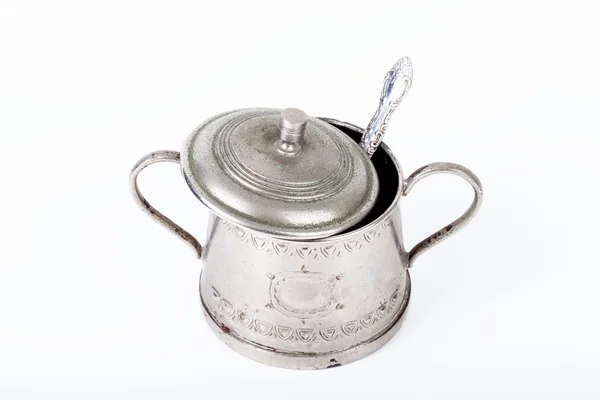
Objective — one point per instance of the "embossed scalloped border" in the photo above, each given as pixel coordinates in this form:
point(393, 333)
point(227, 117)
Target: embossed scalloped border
point(307, 335)
point(306, 252)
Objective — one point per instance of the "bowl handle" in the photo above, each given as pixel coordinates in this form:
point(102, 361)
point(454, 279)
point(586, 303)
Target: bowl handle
point(452, 228)
point(149, 159)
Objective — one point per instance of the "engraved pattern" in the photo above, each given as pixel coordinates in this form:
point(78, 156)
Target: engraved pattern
point(328, 334)
point(304, 334)
point(326, 288)
point(398, 79)
point(303, 251)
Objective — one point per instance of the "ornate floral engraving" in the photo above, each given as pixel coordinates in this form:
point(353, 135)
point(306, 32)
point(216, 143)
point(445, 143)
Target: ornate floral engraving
point(396, 85)
point(303, 333)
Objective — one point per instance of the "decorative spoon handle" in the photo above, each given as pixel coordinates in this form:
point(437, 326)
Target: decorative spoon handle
point(396, 84)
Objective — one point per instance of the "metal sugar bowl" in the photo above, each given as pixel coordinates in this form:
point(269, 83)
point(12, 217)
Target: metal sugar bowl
point(304, 265)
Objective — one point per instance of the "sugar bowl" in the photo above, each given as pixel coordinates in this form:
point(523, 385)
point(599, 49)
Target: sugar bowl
point(303, 265)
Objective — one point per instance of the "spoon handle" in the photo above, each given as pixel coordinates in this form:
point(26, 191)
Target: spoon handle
point(396, 84)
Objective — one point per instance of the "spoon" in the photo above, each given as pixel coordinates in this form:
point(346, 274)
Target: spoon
point(396, 85)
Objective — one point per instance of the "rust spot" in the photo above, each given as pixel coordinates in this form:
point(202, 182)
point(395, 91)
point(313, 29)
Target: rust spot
point(224, 327)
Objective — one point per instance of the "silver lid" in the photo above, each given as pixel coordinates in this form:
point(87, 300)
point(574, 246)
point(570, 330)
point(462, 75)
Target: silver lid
point(280, 172)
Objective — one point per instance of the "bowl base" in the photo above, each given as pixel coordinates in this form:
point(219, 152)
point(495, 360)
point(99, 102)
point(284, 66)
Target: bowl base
point(273, 357)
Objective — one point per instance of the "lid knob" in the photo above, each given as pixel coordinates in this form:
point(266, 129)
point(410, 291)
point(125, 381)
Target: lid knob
point(292, 124)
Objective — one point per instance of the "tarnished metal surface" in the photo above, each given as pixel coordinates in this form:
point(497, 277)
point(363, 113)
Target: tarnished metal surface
point(459, 223)
point(310, 301)
point(322, 185)
point(147, 160)
point(312, 304)
point(304, 357)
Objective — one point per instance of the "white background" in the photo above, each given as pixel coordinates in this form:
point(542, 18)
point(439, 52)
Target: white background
point(98, 301)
